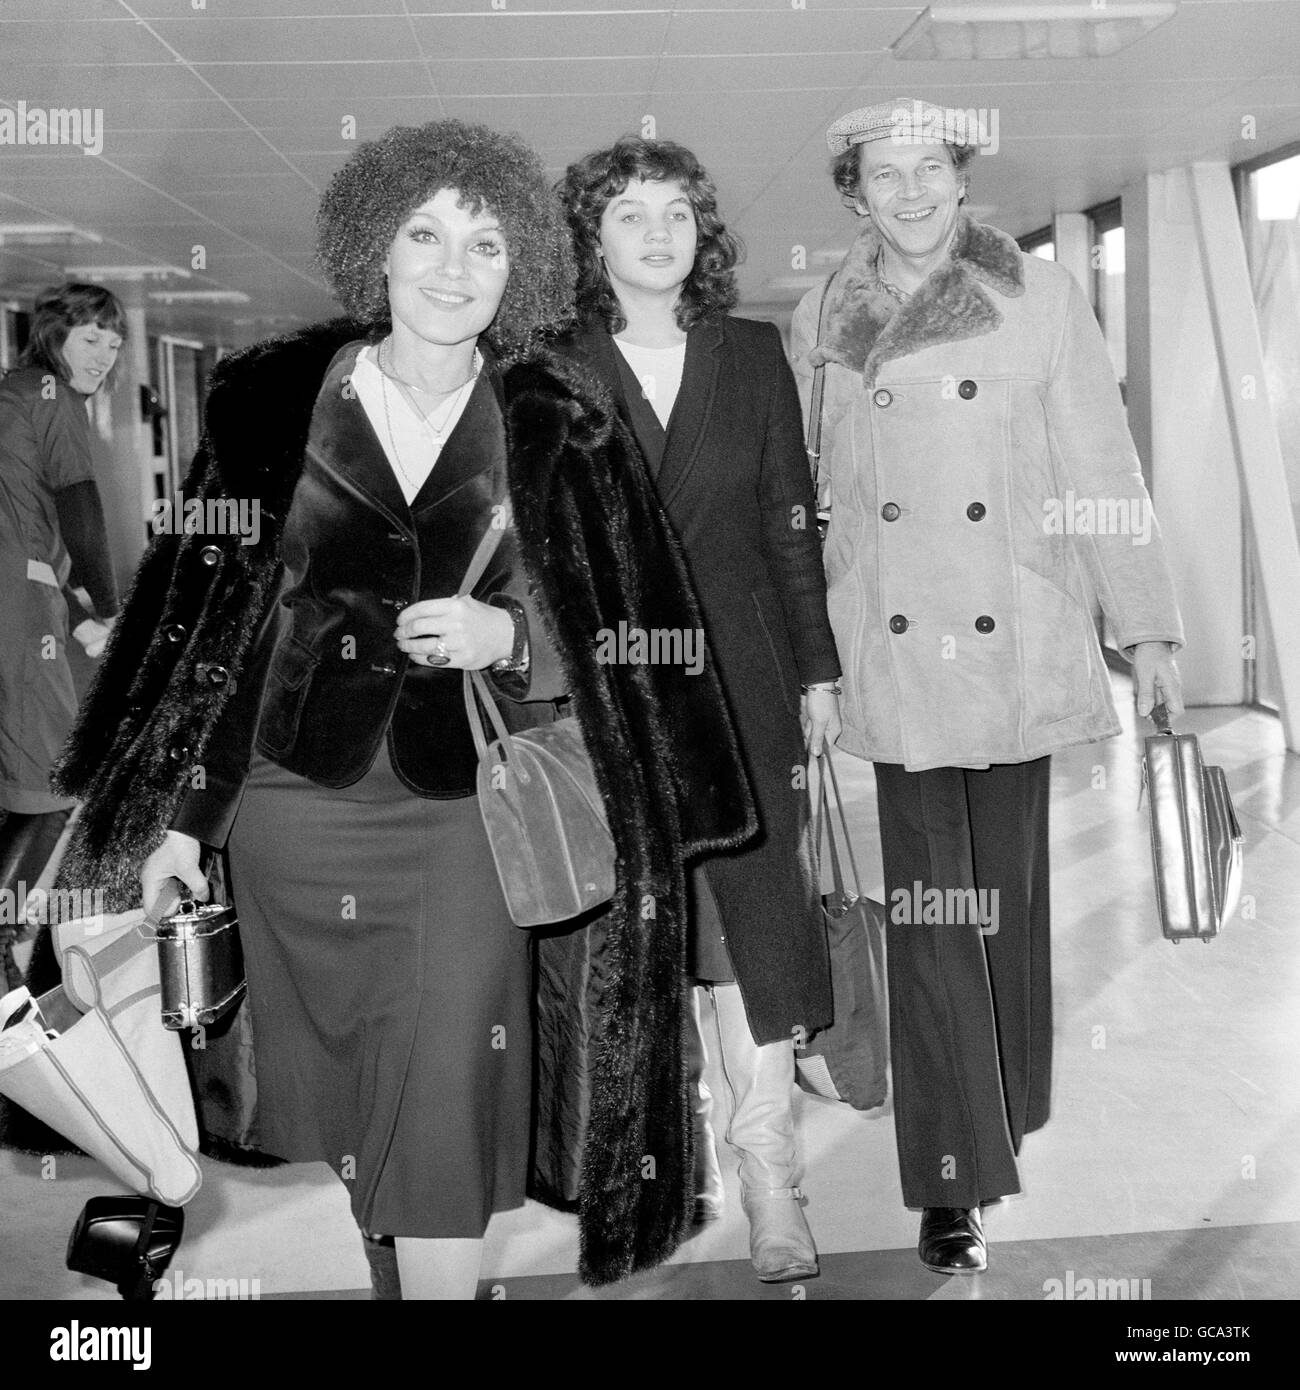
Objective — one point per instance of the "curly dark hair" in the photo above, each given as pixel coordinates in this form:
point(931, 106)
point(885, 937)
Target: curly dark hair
point(591, 184)
point(386, 179)
point(57, 312)
point(845, 172)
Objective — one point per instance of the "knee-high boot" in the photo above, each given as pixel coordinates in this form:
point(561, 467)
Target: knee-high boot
point(709, 1191)
point(26, 844)
point(761, 1081)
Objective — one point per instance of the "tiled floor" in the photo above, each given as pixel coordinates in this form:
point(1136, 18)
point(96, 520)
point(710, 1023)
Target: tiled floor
point(1173, 1155)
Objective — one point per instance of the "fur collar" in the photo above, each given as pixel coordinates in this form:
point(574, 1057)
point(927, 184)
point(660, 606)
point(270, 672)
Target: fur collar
point(864, 327)
point(261, 402)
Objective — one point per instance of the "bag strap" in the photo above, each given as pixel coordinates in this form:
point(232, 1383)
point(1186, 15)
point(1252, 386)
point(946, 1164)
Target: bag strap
point(486, 549)
point(822, 820)
point(473, 683)
point(844, 823)
point(818, 389)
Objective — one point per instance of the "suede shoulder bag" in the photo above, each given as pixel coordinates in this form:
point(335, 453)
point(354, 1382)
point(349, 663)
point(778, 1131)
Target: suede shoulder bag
point(541, 808)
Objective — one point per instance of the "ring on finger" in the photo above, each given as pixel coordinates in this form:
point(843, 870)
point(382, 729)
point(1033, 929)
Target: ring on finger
point(439, 656)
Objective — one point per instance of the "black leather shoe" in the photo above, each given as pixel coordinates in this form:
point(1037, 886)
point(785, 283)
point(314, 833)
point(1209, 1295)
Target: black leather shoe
point(952, 1240)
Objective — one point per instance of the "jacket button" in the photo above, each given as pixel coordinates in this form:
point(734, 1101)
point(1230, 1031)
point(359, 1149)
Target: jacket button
point(898, 623)
point(384, 670)
point(217, 676)
point(976, 511)
point(178, 752)
point(967, 390)
point(882, 397)
point(399, 536)
point(984, 623)
point(210, 554)
point(394, 602)
point(891, 511)
point(175, 632)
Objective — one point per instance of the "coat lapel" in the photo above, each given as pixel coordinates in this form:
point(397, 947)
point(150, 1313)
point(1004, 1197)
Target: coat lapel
point(865, 328)
point(691, 412)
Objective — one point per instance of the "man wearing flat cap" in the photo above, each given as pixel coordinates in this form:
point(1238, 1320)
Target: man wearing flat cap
point(967, 399)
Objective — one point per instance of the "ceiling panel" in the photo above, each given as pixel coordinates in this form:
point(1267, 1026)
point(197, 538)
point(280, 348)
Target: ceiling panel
point(222, 123)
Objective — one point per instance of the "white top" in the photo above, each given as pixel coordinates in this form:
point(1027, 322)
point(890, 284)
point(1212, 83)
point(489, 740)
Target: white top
point(659, 370)
point(411, 445)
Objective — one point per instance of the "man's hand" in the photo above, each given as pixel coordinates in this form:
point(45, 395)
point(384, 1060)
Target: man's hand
point(1156, 679)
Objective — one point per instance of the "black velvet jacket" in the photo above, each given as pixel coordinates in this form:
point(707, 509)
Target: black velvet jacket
point(596, 550)
point(325, 679)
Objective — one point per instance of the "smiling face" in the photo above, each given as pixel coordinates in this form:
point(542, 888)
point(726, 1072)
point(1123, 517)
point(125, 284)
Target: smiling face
point(648, 238)
point(447, 270)
point(89, 353)
point(912, 193)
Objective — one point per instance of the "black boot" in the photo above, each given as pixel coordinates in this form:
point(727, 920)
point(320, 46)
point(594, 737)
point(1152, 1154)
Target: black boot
point(952, 1240)
point(385, 1281)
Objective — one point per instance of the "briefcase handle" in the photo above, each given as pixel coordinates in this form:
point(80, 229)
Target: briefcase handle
point(1160, 718)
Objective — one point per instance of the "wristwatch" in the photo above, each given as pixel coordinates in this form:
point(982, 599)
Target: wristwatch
point(518, 658)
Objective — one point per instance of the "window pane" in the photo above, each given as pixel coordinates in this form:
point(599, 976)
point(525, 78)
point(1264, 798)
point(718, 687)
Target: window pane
point(1272, 227)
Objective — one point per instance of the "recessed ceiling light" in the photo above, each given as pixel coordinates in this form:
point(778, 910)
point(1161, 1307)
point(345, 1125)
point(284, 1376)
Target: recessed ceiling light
point(125, 272)
point(1000, 33)
point(199, 296)
point(45, 234)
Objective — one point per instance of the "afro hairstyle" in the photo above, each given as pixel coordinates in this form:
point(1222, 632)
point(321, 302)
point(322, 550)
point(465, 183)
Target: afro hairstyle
point(386, 179)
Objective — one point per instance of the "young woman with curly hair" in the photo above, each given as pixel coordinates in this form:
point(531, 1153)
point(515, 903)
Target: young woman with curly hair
point(315, 677)
point(713, 406)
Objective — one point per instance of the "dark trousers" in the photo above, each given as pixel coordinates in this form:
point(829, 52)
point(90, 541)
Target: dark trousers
point(26, 843)
point(970, 998)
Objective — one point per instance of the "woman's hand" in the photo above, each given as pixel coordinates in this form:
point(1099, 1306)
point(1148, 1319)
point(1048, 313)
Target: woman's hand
point(92, 633)
point(176, 858)
point(459, 632)
point(819, 714)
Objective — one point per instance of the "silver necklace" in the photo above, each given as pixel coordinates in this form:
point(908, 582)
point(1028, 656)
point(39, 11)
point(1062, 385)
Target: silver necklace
point(437, 435)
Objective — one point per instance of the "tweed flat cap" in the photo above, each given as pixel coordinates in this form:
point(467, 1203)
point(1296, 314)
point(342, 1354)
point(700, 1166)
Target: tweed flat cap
point(906, 121)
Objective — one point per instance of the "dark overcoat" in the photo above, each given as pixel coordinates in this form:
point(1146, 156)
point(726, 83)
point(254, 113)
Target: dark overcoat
point(596, 550)
point(732, 474)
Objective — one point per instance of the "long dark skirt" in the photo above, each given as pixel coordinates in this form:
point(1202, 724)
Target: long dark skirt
point(391, 997)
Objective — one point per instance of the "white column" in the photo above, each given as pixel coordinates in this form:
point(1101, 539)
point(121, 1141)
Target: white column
point(1179, 420)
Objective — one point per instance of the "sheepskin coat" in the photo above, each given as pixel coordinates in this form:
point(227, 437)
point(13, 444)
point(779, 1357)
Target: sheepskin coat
point(985, 491)
point(596, 550)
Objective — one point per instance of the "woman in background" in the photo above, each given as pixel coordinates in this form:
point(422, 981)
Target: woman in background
point(713, 406)
point(52, 537)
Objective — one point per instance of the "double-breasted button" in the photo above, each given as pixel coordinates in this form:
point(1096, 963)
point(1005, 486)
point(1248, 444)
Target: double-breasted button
point(383, 668)
point(984, 623)
point(210, 554)
point(178, 752)
point(976, 511)
point(175, 632)
point(394, 602)
point(399, 536)
point(882, 397)
point(891, 511)
point(898, 623)
point(967, 390)
point(216, 676)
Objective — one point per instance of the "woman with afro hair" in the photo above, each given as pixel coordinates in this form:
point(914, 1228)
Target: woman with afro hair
point(713, 406)
point(297, 701)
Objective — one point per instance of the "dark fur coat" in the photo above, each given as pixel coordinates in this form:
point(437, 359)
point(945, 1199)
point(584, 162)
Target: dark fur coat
point(597, 550)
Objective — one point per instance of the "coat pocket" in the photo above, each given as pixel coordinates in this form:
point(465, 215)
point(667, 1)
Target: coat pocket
point(288, 681)
point(1056, 641)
